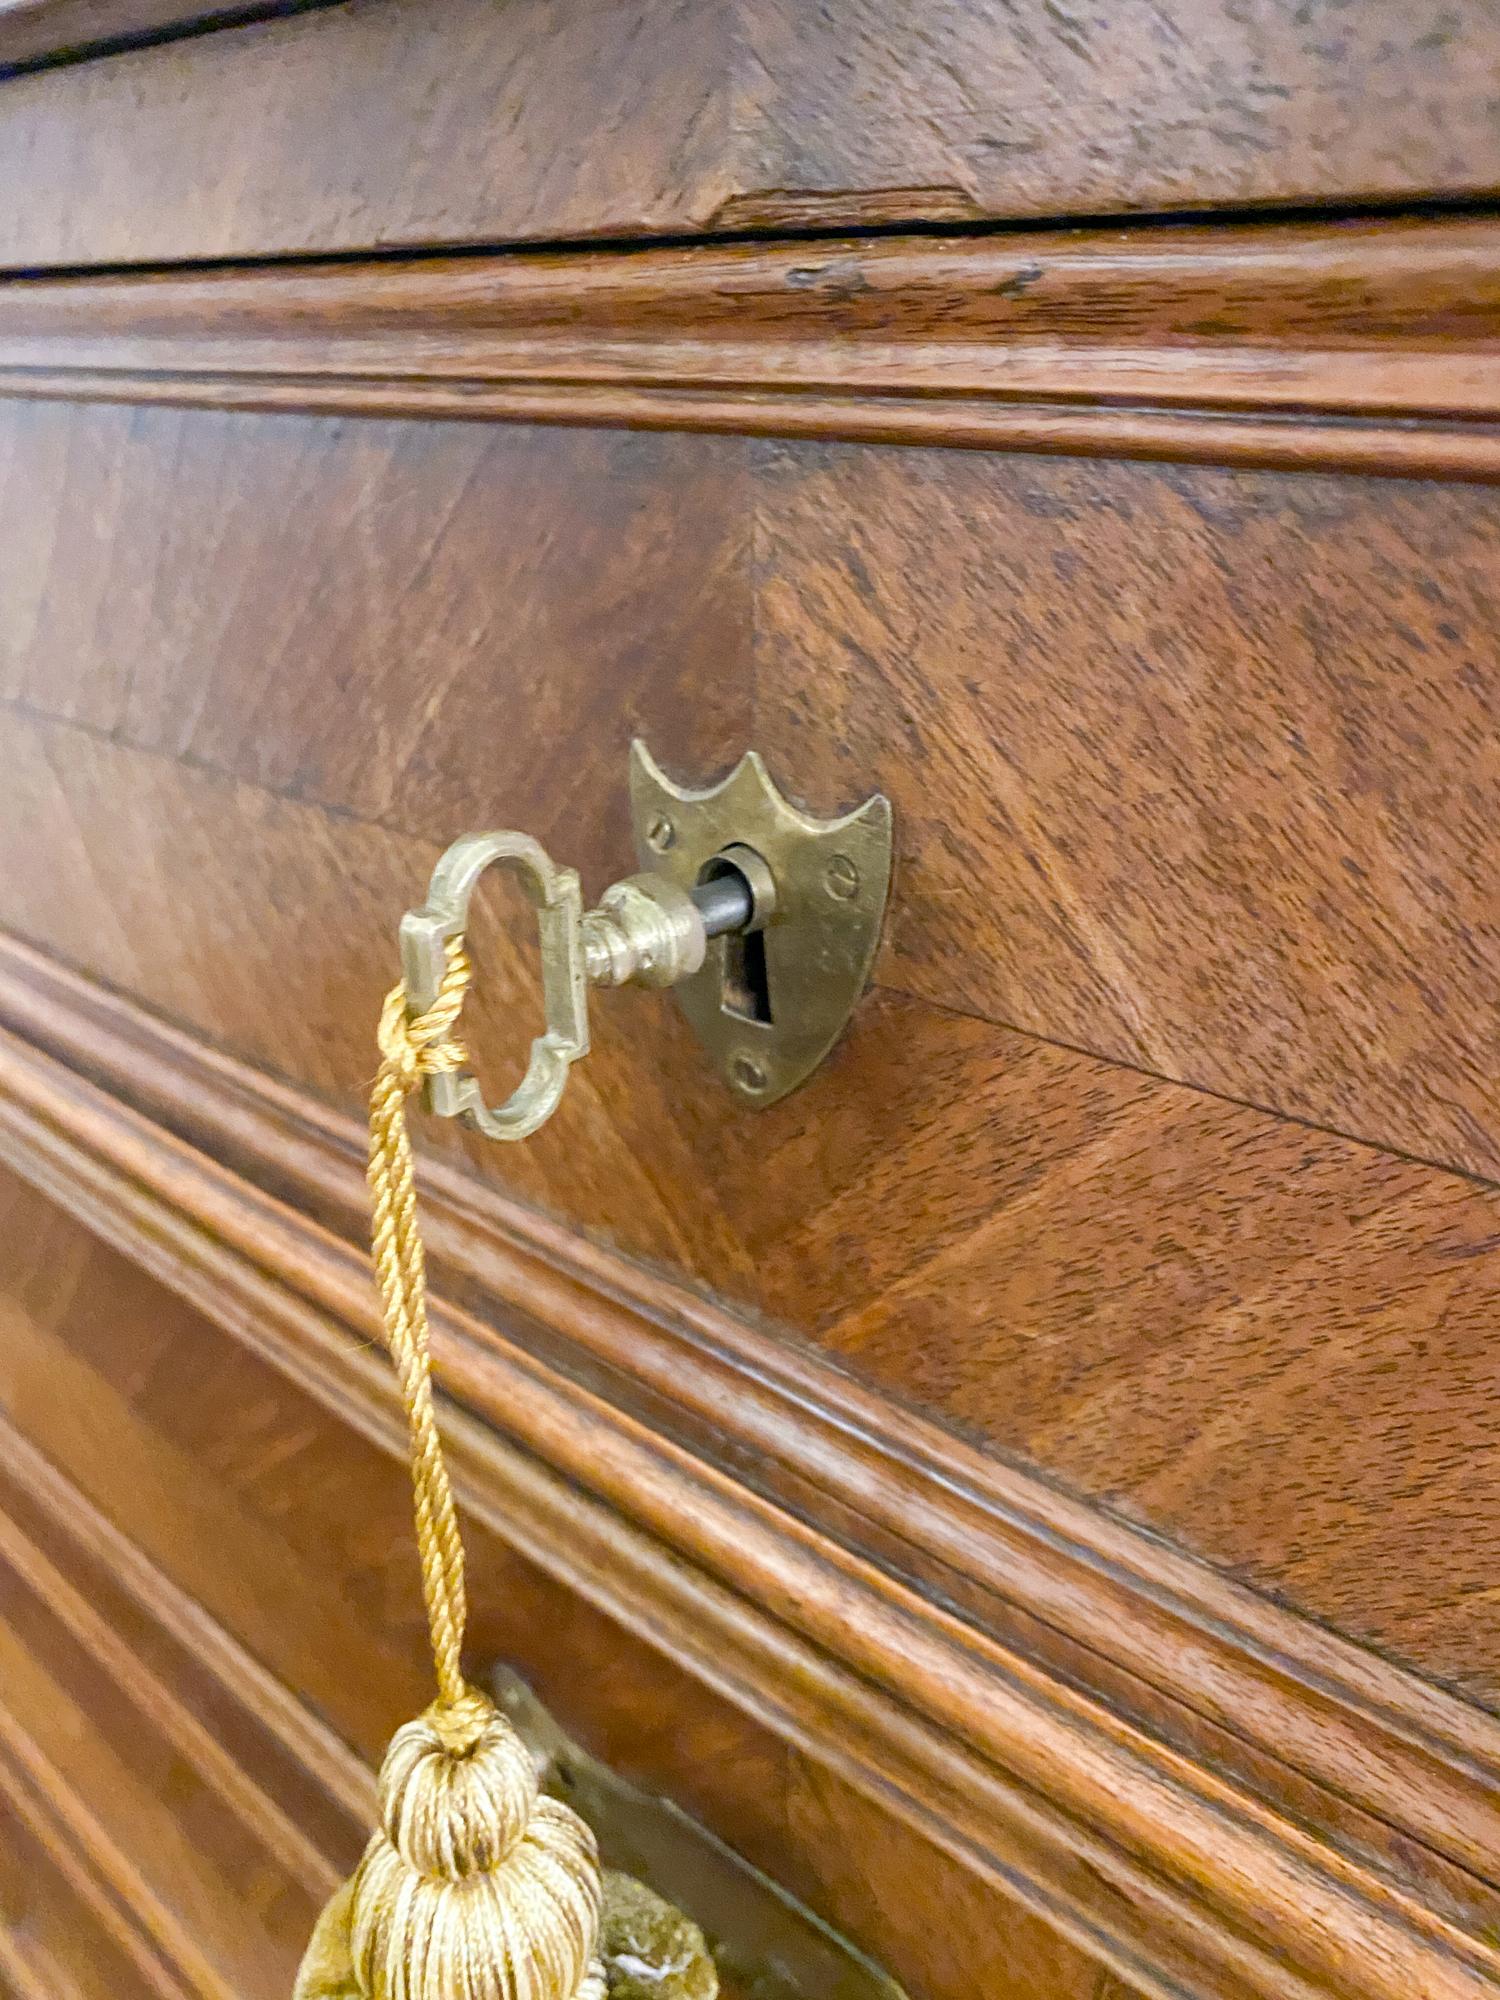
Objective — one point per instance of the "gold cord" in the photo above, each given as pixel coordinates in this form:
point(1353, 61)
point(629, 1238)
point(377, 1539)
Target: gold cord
point(474, 1886)
point(413, 1048)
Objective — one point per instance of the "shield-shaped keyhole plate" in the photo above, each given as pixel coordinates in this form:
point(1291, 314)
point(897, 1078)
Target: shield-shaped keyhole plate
point(769, 1006)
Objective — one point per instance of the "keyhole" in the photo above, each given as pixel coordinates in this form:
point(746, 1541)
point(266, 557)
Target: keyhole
point(746, 988)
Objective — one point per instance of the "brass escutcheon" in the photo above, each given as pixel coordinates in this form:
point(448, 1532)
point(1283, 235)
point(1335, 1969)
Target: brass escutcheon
point(769, 1007)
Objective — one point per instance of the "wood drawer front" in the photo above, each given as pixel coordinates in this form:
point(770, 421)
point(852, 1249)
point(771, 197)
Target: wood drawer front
point(414, 123)
point(1154, 1156)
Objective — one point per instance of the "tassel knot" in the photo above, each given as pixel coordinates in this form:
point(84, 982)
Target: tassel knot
point(456, 1791)
point(475, 1885)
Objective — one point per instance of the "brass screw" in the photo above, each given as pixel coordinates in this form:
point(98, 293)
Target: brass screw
point(841, 878)
point(660, 834)
point(748, 1074)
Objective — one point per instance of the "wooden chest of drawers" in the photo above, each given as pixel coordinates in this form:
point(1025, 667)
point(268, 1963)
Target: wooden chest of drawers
point(1030, 1490)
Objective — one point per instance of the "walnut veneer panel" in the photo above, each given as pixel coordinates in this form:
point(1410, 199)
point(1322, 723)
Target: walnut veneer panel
point(1269, 1340)
point(419, 122)
point(293, 1532)
point(1193, 769)
point(319, 606)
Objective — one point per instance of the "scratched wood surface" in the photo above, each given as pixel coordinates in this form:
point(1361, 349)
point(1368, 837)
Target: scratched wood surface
point(565, 119)
point(1219, 760)
point(249, 1511)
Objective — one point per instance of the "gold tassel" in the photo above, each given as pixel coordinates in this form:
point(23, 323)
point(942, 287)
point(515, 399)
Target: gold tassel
point(475, 1886)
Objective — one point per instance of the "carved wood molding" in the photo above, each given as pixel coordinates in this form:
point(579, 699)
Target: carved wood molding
point(1210, 1794)
point(195, 1687)
point(34, 31)
point(1372, 346)
point(108, 1888)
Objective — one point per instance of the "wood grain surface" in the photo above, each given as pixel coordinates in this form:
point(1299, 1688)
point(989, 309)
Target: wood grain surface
point(288, 1532)
point(1206, 1314)
point(1155, 803)
point(1030, 1492)
point(1192, 770)
point(564, 119)
point(1304, 1721)
point(407, 570)
point(56, 1941)
point(1151, 1861)
point(34, 31)
point(1368, 346)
